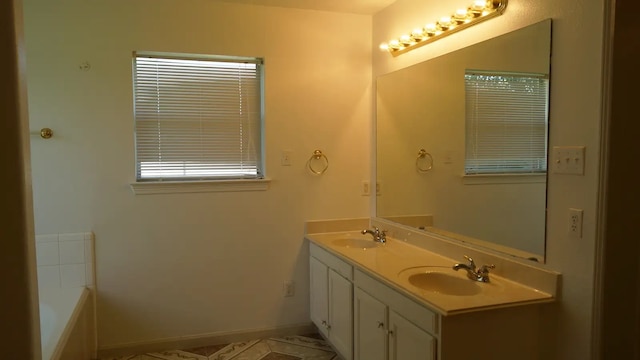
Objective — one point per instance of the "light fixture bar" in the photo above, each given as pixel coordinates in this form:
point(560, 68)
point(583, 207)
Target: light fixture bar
point(477, 12)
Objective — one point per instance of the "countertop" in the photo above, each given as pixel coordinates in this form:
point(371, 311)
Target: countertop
point(393, 263)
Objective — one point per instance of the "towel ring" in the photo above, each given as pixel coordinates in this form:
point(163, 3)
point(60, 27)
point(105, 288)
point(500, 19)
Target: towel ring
point(317, 157)
point(424, 155)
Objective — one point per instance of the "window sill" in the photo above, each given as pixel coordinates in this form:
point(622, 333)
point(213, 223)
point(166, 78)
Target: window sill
point(504, 179)
point(179, 187)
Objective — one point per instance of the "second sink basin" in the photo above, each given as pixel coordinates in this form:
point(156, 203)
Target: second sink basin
point(444, 283)
point(356, 243)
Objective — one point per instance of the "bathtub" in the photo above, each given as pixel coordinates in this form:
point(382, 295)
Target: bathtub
point(67, 324)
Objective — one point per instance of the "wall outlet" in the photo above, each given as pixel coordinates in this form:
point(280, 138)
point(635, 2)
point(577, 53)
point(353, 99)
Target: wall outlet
point(288, 288)
point(366, 188)
point(575, 223)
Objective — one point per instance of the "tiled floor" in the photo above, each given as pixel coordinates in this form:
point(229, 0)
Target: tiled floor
point(284, 348)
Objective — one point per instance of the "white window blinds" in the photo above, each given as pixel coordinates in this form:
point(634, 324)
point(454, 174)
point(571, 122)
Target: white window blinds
point(197, 118)
point(506, 123)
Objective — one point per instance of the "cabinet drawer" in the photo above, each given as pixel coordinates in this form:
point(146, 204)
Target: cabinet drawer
point(418, 314)
point(332, 261)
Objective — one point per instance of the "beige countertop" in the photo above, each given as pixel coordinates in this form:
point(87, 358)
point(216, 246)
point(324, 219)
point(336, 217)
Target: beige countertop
point(393, 263)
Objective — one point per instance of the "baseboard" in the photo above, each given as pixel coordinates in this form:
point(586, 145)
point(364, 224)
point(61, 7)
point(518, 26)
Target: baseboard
point(187, 342)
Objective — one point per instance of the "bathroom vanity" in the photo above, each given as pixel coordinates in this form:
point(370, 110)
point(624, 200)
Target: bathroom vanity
point(397, 301)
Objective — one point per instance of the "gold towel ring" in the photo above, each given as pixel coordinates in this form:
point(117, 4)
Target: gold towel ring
point(317, 157)
point(424, 155)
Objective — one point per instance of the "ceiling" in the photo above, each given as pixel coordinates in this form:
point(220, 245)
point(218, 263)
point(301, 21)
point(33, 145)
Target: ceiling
point(365, 7)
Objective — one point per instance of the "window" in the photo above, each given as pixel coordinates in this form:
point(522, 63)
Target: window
point(197, 117)
point(506, 123)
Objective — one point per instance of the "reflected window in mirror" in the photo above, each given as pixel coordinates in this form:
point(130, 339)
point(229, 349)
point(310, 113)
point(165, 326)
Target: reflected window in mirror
point(506, 123)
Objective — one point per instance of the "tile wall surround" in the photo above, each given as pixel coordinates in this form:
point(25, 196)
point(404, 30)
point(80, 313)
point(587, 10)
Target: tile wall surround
point(65, 260)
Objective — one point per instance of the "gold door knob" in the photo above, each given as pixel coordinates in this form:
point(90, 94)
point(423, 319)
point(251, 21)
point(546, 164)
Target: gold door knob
point(46, 133)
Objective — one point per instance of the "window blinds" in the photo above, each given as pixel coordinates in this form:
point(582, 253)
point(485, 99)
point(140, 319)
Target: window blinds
point(506, 130)
point(197, 118)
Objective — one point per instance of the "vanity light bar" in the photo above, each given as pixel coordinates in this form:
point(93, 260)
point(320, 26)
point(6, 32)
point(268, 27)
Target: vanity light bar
point(477, 12)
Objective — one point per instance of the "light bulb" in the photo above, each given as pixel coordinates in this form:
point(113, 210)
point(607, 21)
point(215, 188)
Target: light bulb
point(417, 34)
point(430, 29)
point(444, 23)
point(394, 44)
point(460, 16)
point(461, 13)
point(479, 5)
point(384, 47)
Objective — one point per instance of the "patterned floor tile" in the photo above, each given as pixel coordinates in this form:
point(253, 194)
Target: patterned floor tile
point(278, 356)
point(231, 350)
point(136, 357)
point(284, 348)
point(178, 355)
point(301, 351)
point(305, 341)
point(255, 352)
point(206, 350)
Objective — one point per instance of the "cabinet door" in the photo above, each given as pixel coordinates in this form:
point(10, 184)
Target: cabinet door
point(407, 341)
point(319, 295)
point(341, 314)
point(370, 322)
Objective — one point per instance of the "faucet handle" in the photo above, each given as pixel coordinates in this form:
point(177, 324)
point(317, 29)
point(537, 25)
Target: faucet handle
point(472, 264)
point(484, 269)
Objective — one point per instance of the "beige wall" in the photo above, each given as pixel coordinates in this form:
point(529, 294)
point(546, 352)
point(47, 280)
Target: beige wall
point(189, 264)
point(574, 120)
point(19, 326)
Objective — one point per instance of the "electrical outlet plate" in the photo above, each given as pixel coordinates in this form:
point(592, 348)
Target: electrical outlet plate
point(568, 160)
point(288, 289)
point(575, 223)
point(366, 188)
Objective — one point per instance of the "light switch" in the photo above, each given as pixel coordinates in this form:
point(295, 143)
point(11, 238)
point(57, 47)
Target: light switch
point(285, 158)
point(568, 160)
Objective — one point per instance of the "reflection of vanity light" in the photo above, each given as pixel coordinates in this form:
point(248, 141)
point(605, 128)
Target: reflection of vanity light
point(406, 40)
point(479, 11)
point(394, 45)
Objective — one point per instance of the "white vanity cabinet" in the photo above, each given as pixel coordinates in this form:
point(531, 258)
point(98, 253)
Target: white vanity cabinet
point(331, 295)
point(367, 317)
point(382, 329)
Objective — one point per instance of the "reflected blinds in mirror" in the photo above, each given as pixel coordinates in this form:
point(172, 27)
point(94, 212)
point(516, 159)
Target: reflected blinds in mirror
point(506, 123)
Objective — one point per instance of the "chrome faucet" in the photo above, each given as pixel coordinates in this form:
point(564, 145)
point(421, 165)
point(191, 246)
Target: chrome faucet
point(476, 274)
point(378, 235)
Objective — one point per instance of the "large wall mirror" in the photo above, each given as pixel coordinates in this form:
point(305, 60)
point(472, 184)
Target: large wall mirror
point(426, 139)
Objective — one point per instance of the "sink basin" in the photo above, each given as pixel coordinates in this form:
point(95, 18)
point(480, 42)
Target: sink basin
point(356, 243)
point(444, 283)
